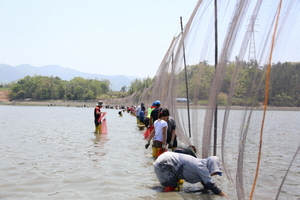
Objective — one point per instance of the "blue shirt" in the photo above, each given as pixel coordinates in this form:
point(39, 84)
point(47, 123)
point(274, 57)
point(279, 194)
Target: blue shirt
point(141, 115)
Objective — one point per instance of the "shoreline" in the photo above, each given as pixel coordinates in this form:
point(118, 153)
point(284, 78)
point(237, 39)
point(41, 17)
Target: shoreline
point(93, 103)
point(49, 103)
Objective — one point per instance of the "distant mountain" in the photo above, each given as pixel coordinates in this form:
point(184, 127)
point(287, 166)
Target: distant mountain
point(9, 74)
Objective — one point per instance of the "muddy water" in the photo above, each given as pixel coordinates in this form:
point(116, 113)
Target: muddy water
point(52, 153)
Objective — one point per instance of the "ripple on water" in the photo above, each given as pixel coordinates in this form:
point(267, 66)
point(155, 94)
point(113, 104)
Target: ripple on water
point(60, 158)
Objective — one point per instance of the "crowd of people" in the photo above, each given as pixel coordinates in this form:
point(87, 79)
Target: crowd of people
point(173, 163)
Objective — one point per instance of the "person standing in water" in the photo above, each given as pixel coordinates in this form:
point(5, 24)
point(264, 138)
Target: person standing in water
point(170, 167)
point(142, 115)
point(147, 117)
point(171, 135)
point(159, 133)
point(97, 117)
point(154, 115)
point(147, 122)
point(137, 112)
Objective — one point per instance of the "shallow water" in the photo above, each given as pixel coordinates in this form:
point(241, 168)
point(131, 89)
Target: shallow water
point(52, 153)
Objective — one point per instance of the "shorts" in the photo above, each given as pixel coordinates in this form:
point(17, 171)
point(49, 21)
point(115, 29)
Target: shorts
point(157, 144)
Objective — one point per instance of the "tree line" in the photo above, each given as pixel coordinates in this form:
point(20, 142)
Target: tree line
point(53, 88)
point(249, 86)
point(250, 83)
point(284, 85)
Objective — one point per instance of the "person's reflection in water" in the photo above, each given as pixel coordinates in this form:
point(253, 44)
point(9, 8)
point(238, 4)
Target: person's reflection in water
point(100, 140)
point(99, 147)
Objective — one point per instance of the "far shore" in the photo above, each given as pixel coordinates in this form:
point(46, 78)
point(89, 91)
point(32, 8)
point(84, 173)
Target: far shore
point(50, 103)
point(113, 105)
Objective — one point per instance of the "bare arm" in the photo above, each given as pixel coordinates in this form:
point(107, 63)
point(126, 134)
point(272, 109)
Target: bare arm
point(164, 130)
point(150, 138)
point(173, 136)
point(223, 194)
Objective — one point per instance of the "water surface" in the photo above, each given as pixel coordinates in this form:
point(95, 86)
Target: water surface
point(52, 153)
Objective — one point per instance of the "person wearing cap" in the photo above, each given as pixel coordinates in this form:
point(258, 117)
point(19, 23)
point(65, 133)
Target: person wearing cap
point(159, 134)
point(147, 118)
point(97, 117)
point(170, 167)
point(155, 112)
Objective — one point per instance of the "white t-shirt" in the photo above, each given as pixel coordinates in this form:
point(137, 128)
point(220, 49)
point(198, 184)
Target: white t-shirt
point(137, 111)
point(158, 126)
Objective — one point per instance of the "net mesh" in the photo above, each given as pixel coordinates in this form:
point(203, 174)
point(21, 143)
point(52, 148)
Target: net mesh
point(250, 99)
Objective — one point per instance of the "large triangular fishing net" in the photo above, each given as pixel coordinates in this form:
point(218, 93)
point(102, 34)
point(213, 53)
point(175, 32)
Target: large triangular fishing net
point(248, 103)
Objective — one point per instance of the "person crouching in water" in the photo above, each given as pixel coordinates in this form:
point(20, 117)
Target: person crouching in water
point(189, 150)
point(170, 167)
point(159, 134)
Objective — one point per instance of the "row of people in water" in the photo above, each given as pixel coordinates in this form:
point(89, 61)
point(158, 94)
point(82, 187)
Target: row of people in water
point(181, 162)
point(167, 128)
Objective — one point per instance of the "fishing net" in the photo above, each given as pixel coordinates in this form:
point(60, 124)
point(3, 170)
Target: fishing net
point(238, 99)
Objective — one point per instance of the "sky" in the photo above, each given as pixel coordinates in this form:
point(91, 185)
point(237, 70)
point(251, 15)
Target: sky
point(108, 37)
